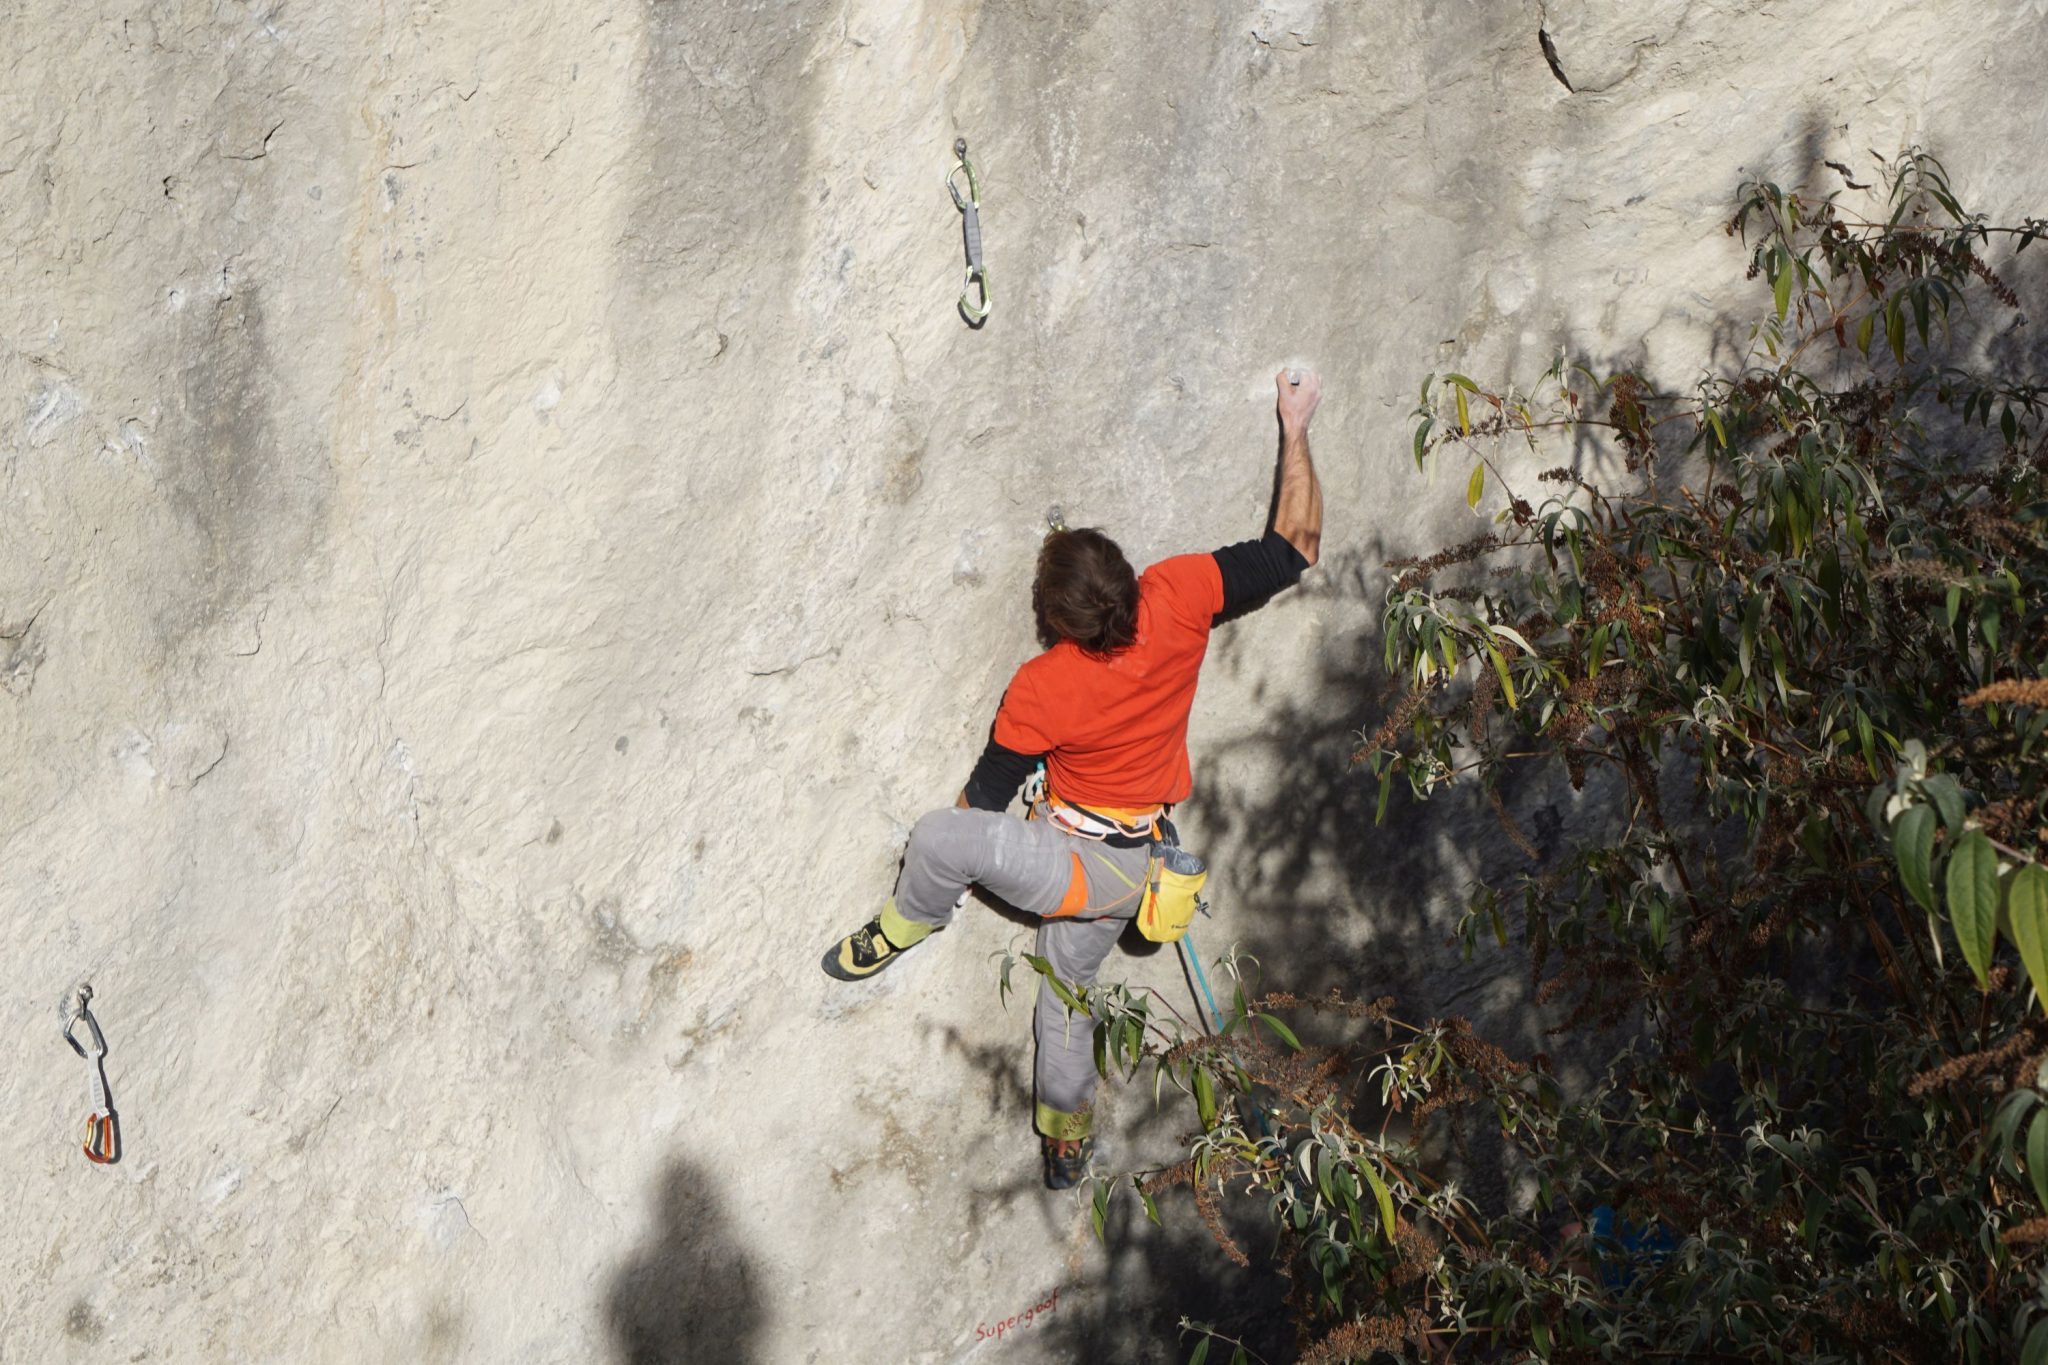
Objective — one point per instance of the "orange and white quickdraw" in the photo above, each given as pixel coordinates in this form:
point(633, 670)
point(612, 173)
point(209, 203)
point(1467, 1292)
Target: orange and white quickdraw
point(102, 1129)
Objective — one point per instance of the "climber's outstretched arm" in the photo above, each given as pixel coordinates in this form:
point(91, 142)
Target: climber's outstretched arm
point(1253, 570)
point(1298, 511)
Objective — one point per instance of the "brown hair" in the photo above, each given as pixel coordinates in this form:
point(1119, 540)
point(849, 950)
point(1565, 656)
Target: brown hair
point(1085, 592)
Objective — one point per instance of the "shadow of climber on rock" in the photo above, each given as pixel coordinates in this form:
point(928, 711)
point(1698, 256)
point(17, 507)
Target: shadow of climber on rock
point(692, 1292)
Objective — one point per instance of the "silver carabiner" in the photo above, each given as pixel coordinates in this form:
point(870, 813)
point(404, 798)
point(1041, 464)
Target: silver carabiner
point(970, 214)
point(80, 1011)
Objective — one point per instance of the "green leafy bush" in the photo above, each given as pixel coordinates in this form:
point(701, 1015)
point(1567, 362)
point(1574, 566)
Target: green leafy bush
point(1785, 635)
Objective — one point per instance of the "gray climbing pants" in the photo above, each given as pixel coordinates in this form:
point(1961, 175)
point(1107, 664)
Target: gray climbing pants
point(1083, 893)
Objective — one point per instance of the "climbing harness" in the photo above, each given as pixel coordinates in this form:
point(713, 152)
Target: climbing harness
point(1055, 519)
point(970, 214)
point(1117, 828)
point(102, 1131)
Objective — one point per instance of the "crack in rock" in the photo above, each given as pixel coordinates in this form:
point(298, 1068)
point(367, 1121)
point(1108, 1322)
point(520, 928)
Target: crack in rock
point(1550, 55)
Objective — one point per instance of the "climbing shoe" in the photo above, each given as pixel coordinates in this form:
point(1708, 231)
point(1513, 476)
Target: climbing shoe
point(1066, 1161)
point(862, 953)
point(875, 945)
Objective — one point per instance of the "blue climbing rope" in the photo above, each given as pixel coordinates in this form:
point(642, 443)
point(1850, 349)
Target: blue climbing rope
point(1192, 958)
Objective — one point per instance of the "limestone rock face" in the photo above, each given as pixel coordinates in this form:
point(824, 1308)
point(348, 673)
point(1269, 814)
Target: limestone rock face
point(502, 529)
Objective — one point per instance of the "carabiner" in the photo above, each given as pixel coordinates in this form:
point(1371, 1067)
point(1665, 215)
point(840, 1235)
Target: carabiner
point(970, 213)
point(102, 1137)
point(102, 1128)
point(81, 1011)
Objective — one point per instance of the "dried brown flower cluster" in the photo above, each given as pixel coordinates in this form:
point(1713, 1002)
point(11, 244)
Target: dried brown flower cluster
point(2010, 692)
point(1872, 1324)
point(1388, 735)
point(1362, 1338)
point(2000, 290)
point(1995, 527)
point(1417, 571)
point(1479, 707)
point(1510, 828)
point(1373, 1011)
point(1609, 987)
point(2013, 1062)
point(1930, 573)
point(1477, 1055)
point(2033, 1232)
point(1209, 1207)
point(1631, 421)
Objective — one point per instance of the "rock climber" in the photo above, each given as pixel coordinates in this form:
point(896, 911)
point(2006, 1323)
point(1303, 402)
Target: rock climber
point(1105, 709)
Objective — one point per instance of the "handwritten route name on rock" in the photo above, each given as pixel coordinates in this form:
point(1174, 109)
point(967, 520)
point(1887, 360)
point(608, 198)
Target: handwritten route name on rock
point(1017, 1322)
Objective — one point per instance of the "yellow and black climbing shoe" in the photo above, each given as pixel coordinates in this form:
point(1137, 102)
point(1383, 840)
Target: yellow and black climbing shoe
point(1066, 1161)
point(862, 953)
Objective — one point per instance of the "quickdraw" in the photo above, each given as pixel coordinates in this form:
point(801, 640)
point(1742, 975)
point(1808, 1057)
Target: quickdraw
point(102, 1129)
point(970, 214)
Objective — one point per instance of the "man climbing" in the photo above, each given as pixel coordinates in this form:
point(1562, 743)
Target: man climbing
point(1105, 708)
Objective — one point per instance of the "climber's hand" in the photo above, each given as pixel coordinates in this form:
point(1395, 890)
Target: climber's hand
point(1298, 401)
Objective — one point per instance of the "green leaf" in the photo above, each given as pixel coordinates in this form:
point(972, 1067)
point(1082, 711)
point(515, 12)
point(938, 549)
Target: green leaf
point(2026, 905)
point(1973, 902)
point(1151, 1204)
point(2037, 1155)
point(1987, 623)
point(1381, 1196)
point(1059, 987)
point(1475, 485)
point(2035, 1352)
point(1422, 439)
point(1101, 1209)
point(1464, 412)
point(1201, 1352)
point(1510, 633)
point(1863, 330)
point(1782, 287)
point(1205, 1098)
point(1895, 328)
point(2005, 1124)
point(1284, 1033)
point(1948, 799)
point(1913, 846)
point(1500, 667)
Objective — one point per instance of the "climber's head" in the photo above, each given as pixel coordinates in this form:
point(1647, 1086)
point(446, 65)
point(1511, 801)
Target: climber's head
point(1085, 592)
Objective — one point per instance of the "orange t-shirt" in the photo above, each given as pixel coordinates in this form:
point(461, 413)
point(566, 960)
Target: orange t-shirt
point(1114, 730)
